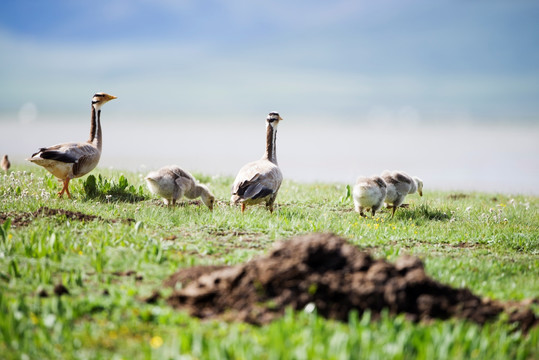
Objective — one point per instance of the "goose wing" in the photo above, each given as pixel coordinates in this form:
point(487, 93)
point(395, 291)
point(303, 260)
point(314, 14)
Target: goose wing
point(257, 180)
point(403, 183)
point(181, 174)
point(68, 152)
point(83, 156)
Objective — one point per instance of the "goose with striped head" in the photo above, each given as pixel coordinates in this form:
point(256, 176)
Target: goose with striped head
point(259, 181)
point(72, 160)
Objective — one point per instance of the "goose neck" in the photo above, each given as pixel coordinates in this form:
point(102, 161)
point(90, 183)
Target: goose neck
point(271, 136)
point(98, 141)
point(92, 126)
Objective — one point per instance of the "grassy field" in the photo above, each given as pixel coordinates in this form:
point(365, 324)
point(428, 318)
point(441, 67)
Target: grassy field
point(488, 243)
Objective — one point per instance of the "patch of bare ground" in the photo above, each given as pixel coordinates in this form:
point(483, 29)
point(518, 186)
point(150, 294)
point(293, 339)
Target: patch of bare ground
point(335, 276)
point(458, 196)
point(233, 233)
point(19, 219)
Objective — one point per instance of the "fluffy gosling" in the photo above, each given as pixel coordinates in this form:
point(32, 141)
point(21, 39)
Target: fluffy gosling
point(369, 193)
point(172, 183)
point(400, 184)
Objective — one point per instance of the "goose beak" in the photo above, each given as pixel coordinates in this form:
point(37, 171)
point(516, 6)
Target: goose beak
point(420, 193)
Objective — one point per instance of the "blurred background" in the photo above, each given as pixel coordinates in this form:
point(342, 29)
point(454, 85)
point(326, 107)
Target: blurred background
point(446, 90)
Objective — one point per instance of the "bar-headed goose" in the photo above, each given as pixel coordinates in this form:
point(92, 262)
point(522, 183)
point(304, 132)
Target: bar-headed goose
point(72, 160)
point(400, 184)
point(369, 193)
point(259, 181)
point(172, 183)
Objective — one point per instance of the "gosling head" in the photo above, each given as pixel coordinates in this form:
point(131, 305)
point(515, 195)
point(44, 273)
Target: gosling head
point(101, 98)
point(419, 183)
point(207, 197)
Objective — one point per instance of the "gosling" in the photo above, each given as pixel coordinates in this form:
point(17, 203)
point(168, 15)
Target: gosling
point(172, 183)
point(369, 193)
point(400, 184)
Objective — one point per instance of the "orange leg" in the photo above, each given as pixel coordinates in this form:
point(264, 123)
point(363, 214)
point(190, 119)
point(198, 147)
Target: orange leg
point(242, 208)
point(65, 189)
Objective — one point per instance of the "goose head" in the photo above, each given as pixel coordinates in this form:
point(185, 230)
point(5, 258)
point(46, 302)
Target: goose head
point(101, 98)
point(273, 119)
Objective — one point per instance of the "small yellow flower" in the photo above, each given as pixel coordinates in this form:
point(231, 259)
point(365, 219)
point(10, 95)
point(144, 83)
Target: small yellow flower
point(80, 252)
point(10, 236)
point(33, 318)
point(156, 342)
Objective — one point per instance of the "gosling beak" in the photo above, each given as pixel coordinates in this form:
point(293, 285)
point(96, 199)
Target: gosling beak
point(420, 193)
point(110, 97)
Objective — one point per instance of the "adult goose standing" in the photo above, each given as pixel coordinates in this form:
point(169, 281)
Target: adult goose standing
point(369, 193)
point(400, 184)
point(72, 160)
point(172, 183)
point(259, 181)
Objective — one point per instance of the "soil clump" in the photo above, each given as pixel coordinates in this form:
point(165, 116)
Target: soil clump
point(336, 277)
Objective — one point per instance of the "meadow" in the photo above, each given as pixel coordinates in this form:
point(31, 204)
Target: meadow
point(75, 287)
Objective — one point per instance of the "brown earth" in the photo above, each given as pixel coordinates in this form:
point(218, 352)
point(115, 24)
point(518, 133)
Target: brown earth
point(336, 277)
point(19, 219)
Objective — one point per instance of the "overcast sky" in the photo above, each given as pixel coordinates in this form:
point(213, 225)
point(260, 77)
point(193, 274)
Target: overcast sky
point(340, 60)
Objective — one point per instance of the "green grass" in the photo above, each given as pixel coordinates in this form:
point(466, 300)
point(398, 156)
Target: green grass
point(486, 242)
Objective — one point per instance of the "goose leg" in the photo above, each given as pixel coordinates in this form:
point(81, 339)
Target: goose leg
point(269, 203)
point(65, 189)
point(242, 207)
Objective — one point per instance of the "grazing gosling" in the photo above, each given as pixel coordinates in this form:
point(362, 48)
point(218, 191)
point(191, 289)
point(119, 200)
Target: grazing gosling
point(5, 163)
point(172, 183)
point(369, 193)
point(400, 184)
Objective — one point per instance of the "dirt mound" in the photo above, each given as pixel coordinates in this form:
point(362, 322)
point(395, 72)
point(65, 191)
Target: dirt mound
point(336, 277)
point(19, 219)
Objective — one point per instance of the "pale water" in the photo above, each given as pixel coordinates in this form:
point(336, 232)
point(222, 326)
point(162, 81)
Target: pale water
point(452, 157)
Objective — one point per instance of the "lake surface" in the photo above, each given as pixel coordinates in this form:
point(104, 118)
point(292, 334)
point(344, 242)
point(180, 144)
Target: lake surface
point(457, 157)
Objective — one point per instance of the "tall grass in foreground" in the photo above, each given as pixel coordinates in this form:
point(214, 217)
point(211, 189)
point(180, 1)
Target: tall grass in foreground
point(486, 242)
